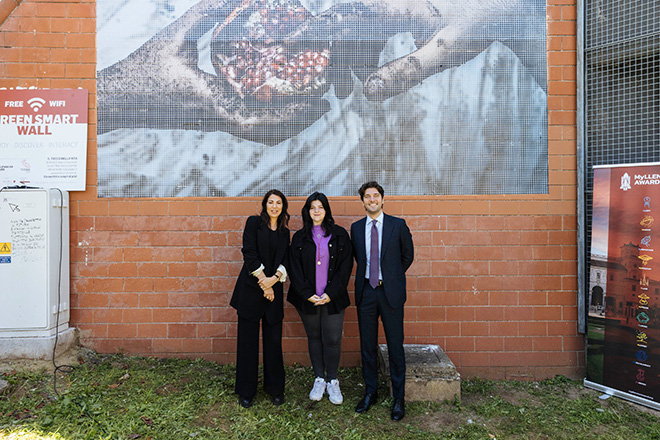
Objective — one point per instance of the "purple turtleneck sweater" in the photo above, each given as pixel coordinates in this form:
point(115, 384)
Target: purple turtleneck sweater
point(322, 256)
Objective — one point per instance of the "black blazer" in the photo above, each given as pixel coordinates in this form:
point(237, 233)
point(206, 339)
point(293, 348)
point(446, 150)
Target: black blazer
point(302, 271)
point(396, 255)
point(248, 298)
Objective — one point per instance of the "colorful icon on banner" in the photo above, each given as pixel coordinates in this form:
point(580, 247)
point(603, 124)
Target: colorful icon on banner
point(641, 355)
point(625, 182)
point(642, 338)
point(646, 241)
point(644, 299)
point(647, 202)
point(645, 259)
point(640, 375)
point(647, 221)
point(643, 318)
point(644, 281)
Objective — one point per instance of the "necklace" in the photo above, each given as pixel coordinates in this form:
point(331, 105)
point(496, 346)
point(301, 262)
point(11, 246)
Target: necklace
point(318, 248)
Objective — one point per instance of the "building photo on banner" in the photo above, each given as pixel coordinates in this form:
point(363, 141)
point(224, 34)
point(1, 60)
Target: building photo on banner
point(623, 349)
point(232, 98)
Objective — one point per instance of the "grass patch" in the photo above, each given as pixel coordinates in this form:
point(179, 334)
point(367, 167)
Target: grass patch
point(119, 397)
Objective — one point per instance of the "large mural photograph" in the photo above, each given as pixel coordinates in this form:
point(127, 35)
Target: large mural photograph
point(233, 97)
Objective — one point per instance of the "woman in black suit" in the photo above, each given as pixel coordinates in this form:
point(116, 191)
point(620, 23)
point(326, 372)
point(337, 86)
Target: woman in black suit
point(321, 260)
point(258, 298)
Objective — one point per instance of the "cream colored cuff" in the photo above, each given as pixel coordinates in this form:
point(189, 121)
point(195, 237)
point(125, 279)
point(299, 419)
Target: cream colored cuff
point(257, 272)
point(282, 270)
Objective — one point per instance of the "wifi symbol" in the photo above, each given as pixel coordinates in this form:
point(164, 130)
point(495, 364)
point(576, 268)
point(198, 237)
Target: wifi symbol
point(36, 103)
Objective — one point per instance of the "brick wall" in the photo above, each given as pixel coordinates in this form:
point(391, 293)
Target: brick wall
point(494, 282)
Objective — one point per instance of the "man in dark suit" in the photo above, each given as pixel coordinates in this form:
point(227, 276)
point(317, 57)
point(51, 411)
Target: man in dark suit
point(384, 250)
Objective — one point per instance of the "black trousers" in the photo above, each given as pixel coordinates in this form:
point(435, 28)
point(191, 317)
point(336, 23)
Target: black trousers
point(247, 357)
point(373, 305)
point(324, 332)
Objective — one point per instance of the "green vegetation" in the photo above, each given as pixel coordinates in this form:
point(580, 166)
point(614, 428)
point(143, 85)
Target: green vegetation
point(119, 397)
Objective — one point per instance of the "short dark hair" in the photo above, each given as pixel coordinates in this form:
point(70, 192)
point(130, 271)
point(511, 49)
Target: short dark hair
point(283, 219)
point(328, 221)
point(372, 184)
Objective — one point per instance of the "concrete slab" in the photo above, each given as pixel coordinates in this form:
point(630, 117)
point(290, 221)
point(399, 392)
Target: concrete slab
point(37, 347)
point(430, 374)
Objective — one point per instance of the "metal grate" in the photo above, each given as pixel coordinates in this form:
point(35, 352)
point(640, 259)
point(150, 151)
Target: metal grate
point(622, 83)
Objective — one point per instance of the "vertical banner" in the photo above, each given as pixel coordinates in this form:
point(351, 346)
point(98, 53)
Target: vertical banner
point(623, 351)
point(43, 138)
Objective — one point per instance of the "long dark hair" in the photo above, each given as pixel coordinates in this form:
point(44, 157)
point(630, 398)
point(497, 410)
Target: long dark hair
point(283, 219)
point(328, 221)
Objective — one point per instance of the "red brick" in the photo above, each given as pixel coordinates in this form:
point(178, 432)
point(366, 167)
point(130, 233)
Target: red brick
point(166, 315)
point(104, 316)
point(551, 343)
point(181, 330)
point(182, 269)
point(489, 313)
point(182, 300)
point(124, 300)
point(213, 239)
point(197, 345)
point(153, 208)
point(152, 269)
point(531, 328)
point(473, 359)
point(81, 10)
point(149, 300)
point(108, 285)
point(137, 315)
point(104, 254)
point(196, 315)
point(533, 359)
point(152, 330)
point(503, 298)
point(167, 346)
point(138, 254)
point(213, 330)
point(168, 284)
point(122, 330)
point(474, 328)
point(518, 344)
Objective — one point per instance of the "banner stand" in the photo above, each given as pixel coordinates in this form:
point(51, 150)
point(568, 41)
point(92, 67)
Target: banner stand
point(623, 332)
point(627, 396)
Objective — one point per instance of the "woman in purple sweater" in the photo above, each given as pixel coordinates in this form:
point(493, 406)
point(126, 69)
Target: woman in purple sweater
point(321, 260)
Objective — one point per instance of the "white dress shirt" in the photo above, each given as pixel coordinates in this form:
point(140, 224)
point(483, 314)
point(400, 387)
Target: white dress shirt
point(367, 242)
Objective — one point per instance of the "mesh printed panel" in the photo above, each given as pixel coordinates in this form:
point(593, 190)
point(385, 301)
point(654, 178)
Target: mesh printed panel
point(233, 98)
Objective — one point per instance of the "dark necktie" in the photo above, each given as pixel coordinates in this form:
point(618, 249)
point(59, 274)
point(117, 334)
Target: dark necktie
point(373, 258)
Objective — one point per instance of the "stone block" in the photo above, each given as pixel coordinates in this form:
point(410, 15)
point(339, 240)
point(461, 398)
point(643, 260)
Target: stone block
point(430, 374)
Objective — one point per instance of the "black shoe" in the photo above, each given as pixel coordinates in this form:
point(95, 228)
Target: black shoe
point(367, 402)
point(277, 400)
point(245, 402)
point(398, 409)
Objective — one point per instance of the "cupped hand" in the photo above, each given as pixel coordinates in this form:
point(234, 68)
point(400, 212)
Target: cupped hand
point(267, 282)
point(269, 294)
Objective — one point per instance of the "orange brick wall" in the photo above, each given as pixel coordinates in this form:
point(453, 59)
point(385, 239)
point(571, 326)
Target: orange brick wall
point(494, 282)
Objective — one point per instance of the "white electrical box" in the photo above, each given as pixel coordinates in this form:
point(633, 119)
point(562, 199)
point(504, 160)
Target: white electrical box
point(34, 262)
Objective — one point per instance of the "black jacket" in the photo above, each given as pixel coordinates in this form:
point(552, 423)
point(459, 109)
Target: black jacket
point(248, 298)
point(302, 271)
point(396, 256)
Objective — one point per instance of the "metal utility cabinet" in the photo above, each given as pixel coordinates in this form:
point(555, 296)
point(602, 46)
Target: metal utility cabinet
point(34, 273)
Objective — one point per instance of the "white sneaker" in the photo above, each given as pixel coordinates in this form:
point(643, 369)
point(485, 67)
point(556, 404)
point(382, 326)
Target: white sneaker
point(318, 390)
point(334, 393)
